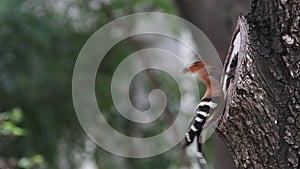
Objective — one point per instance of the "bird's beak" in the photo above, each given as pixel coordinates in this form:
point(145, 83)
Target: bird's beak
point(185, 70)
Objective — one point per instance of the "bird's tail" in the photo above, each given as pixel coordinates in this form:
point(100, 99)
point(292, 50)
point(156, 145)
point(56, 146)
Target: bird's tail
point(200, 156)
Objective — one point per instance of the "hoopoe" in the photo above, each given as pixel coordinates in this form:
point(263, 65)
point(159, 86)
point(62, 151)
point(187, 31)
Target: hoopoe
point(209, 108)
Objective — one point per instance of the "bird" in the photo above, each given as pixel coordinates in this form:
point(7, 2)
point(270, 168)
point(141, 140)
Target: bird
point(209, 108)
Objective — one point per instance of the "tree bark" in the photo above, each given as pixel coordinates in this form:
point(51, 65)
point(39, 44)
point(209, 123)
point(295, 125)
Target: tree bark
point(261, 121)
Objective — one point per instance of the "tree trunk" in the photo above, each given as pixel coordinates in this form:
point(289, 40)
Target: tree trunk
point(261, 120)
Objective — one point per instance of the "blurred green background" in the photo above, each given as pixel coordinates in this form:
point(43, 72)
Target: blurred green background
point(39, 44)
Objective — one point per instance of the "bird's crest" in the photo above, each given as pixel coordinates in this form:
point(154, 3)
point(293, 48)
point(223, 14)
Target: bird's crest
point(198, 66)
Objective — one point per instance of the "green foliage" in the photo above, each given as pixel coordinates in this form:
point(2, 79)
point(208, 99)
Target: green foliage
point(9, 121)
point(31, 162)
point(9, 128)
point(40, 41)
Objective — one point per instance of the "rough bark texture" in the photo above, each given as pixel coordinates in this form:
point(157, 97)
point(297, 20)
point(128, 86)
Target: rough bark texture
point(262, 120)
